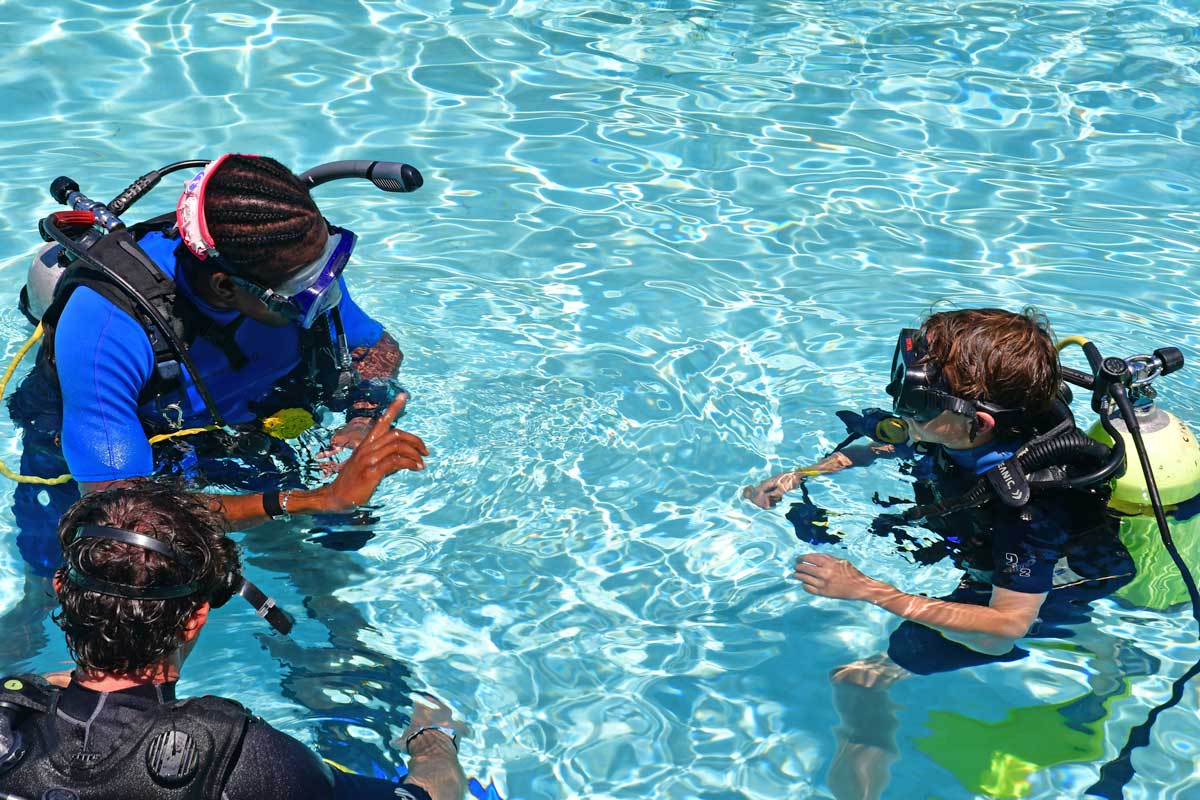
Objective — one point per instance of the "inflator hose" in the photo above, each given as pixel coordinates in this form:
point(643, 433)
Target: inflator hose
point(1071, 447)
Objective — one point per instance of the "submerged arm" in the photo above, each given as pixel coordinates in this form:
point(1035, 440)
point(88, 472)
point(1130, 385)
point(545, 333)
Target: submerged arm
point(988, 629)
point(768, 493)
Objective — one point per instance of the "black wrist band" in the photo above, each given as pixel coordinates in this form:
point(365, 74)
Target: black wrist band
point(271, 507)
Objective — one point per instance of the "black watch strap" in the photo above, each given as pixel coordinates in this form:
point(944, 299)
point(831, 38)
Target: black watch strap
point(271, 507)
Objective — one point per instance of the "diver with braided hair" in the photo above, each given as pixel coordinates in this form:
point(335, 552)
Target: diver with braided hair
point(253, 283)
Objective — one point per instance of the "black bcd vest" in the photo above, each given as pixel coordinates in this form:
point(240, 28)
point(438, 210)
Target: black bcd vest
point(185, 750)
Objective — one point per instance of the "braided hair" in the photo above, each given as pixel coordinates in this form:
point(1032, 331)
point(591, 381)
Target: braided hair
point(261, 217)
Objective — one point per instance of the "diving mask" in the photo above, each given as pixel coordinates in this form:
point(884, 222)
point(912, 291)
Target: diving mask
point(919, 391)
point(312, 290)
point(227, 585)
point(917, 388)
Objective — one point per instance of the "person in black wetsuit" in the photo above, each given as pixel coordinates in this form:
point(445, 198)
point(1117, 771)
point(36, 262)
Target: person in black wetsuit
point(144, 566)
point(969, 385)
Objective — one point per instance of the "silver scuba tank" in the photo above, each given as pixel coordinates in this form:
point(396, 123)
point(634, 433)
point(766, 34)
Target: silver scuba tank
point(44, 274)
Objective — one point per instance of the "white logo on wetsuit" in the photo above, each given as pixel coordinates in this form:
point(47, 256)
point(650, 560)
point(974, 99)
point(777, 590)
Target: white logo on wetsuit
point(1014, 565)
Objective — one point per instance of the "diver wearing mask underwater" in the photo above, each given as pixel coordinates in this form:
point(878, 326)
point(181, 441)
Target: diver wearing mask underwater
point(213, 321)
point(144, 567)
point(976, 390)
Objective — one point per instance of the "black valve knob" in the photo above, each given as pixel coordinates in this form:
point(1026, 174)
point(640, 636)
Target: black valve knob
point(62, 186)
point(1171, 359)
point(1115, 370)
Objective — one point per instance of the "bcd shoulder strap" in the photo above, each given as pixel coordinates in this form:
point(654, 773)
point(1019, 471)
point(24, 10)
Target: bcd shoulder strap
point(120, 271)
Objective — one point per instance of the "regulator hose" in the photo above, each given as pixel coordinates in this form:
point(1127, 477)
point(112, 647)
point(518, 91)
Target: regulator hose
point(1070, 447)
point(1118, 772)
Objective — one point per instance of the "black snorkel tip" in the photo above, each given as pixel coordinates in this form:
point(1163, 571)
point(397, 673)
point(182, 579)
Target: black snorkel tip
point(394, 177)
point(266, 607)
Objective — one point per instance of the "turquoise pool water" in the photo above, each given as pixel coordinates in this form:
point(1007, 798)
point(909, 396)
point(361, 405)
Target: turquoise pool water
point(659, 244)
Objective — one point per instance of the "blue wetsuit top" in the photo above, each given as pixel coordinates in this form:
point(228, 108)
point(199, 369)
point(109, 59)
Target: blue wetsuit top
point(104, 360)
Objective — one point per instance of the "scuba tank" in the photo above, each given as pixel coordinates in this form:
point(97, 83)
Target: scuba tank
point(1174, 456)
point(44, 273)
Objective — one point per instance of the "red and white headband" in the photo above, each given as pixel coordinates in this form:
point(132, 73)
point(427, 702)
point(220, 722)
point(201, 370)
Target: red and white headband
point(189, 214)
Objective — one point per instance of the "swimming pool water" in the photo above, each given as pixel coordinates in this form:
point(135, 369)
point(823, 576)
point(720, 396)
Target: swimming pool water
point(659, 244)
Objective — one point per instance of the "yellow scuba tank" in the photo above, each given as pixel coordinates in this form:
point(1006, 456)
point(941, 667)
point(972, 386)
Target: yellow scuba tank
point(1175, 458)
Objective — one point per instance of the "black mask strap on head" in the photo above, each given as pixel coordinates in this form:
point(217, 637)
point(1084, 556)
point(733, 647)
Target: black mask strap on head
point(78, 576)
point(263, 605)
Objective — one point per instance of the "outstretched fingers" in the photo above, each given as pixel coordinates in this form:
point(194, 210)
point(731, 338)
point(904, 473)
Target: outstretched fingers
point(396, 447)
point(384, 423)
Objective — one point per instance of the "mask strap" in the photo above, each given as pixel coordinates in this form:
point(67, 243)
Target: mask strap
point(76, 575)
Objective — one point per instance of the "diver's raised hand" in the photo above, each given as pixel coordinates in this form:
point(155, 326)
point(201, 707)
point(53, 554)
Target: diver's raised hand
point(433, 753)
point(385, 450)
point(768, 493)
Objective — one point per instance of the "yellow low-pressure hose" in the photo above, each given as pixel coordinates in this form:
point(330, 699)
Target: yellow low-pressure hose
point(162, 437)
point(8, 373)
point(1070, 340)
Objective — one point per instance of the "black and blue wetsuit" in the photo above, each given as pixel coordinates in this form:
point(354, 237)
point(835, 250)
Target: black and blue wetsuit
point(110, 746)
point(1063, 542)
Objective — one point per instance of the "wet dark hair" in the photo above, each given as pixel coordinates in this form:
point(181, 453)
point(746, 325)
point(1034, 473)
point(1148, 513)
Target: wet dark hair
point(996, 356)
point(261, 217)
point(123, 636)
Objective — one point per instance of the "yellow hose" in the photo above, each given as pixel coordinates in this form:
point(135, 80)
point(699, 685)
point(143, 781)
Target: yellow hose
point(1070, 340)
point(162, 437)
point(8, 373)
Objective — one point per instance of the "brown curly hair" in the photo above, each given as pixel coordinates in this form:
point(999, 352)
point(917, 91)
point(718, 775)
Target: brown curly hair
point(123, 636)
point(996, 356)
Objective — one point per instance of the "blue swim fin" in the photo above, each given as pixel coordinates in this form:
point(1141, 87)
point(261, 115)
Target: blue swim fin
point(477, 791)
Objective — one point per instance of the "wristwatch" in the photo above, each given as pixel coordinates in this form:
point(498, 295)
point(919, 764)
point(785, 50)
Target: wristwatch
point(275, 504)
point(439, 728)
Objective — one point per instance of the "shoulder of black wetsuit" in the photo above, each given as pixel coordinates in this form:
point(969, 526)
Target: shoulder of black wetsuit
point(275, 765)
point(26, 692)
point(142, 748)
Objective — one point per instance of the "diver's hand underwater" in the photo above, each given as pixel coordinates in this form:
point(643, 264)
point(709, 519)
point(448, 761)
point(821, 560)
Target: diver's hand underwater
point(384, 451)
point(834, 577)
point(768, 493)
